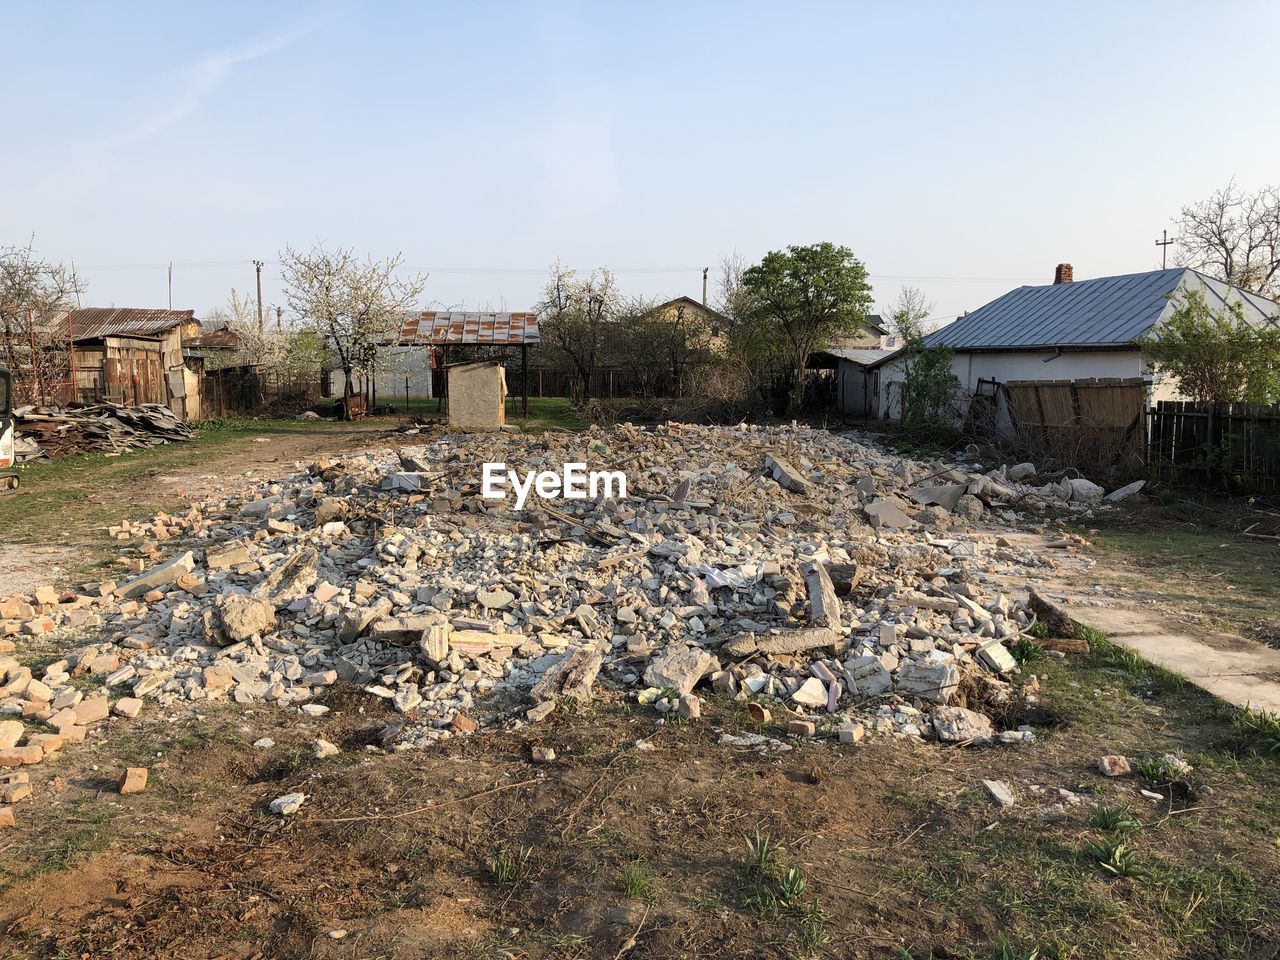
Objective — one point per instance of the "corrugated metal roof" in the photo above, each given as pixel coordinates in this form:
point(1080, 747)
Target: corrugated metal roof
point(493, 329)
point(1104, 312)
point(863, 357)
point(89, 322)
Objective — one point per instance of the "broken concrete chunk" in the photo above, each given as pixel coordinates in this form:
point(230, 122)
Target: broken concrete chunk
point(288, 804)
point(928, 681)
point(572, 676)
point(1114, 765)
point(996, 657)
point(240, 617)
point(787, 476)
point(824, 605)
point(886, 513)
point(793, 641)
point(999, 792)
point(157, 577)
point(292, 579)
point(679, 670)
point(812, 693)
point(956, 724)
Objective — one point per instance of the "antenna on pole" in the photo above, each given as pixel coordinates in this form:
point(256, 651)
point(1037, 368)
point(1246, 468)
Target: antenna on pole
point(1163, 244)
point(705, 270)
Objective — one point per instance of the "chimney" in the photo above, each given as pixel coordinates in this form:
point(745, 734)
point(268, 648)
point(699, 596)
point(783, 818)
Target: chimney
point(1062, 274)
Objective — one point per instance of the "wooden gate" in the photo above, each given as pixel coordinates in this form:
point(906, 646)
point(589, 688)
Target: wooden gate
point(1097, 426)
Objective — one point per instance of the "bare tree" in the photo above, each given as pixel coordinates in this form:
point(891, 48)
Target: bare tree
point(907, 314)
point(35, 343)
point(356, 306)
point(1234, 236)
point(573, 315)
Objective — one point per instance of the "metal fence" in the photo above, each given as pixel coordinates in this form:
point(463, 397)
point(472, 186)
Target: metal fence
point(1231, 446)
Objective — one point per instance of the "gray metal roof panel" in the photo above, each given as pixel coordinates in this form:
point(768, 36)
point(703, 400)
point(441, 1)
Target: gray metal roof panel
point(1107, 311)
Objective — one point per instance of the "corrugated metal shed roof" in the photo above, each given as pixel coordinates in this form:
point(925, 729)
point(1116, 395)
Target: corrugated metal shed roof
point(492, 329)
point(89, 322)
point(863, 357)
point(1104, 312)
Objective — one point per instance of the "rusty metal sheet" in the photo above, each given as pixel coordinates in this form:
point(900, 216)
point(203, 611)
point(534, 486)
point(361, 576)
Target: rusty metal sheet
point(479, 329)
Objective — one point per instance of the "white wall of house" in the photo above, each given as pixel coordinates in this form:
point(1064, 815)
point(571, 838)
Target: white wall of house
point(1008, 365)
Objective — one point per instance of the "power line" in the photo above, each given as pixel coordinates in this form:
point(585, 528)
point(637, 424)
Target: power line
point(530, 271)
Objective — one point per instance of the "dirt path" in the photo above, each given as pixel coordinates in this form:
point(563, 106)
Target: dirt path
point(1234, 668)
point(55, 525)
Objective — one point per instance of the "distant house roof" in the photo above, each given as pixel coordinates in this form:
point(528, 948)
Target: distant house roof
point(90, 322)
point(876, 323)
point(1104, 312)
point(220, 338)
point(480, 329)
point(690, 302)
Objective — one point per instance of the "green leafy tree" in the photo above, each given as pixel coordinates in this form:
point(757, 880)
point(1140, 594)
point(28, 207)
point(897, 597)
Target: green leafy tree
point(928, 387)
point(1215, 354)
point(808, 295)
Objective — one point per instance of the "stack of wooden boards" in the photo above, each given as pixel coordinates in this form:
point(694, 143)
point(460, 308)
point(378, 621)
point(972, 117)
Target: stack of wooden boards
point(50, 433)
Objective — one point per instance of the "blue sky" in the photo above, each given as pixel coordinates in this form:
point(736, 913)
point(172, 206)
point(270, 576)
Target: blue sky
point(486, 139)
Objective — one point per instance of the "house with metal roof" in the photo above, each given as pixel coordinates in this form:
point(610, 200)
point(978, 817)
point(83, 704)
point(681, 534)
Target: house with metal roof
point(1072, 330)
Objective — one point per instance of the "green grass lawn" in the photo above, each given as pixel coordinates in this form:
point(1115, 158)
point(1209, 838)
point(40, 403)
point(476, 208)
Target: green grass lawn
point(71, 497)
point(544, 412)
point(1231, 579)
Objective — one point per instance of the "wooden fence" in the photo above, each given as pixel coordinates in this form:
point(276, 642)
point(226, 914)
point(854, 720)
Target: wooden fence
point(232, 391)
point(1233, 446)
point(1094, 425)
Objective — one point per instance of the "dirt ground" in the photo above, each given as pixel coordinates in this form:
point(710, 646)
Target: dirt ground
point(623, 851)
point(634, 841)
point(59, 514)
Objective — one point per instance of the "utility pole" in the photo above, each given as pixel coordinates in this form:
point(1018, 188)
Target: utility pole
point(279, 319)
point(258, 268)
point(170, 284)
point(1163, 244)
point(705, 270)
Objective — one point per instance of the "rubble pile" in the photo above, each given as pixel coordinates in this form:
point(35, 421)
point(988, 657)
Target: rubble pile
point(51, 433)
point(835, 586)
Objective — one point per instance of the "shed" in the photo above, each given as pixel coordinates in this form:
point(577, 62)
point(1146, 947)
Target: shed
point(477, 396)
point(857, 378)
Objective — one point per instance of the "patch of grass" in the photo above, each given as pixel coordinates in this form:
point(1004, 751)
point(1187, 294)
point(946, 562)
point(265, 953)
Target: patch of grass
point(1257, 729)
point(1041, 631)
point(791, 887)
point(1112, 818)
point(1219, 575)
point(638, 880)
point(1026, 650)
point(1115, 857)
point(762, 855)
point(812, 922)
point(510, 868)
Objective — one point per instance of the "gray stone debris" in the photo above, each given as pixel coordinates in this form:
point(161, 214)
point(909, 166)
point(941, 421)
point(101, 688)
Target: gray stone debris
point(855, 602)
point(824, 605)
point(999, 792)
point(955, 724)
point(680, 669)
point(787, 476)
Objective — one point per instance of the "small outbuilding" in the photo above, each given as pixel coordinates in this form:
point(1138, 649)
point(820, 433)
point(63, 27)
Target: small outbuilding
point(477, 396)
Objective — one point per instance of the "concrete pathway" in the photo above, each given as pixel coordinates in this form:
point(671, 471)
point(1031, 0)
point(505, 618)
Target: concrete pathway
point(1238, 670)
point(1234, 668)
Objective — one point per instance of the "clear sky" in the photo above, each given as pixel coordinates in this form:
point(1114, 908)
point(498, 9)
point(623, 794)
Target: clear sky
point(486, 139)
